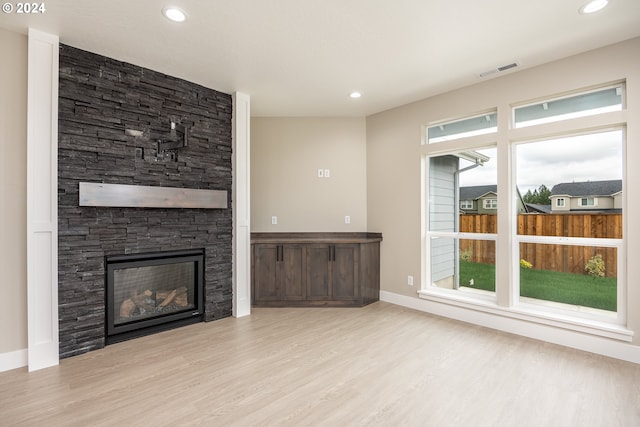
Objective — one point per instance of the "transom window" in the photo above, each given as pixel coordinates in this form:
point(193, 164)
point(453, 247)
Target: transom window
point(471, 126)
point(581, 105)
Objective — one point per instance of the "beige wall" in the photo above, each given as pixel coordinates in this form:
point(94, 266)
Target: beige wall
point(13, 186)
point(394, 160)
point(286, 154)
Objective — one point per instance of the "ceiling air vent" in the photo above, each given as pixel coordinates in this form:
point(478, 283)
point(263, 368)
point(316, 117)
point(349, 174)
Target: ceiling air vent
point(499, 69)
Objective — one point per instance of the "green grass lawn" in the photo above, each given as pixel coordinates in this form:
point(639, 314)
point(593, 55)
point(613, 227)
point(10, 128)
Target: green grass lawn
point(576, 289)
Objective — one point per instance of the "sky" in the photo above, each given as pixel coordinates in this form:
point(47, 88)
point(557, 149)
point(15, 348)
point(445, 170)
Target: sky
point(594, 157)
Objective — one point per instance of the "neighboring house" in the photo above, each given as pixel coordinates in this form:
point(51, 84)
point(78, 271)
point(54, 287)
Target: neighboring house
point(600, 196)
point(483, 199)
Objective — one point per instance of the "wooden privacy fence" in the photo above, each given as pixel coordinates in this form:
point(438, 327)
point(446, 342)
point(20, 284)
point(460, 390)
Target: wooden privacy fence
point(563, 258)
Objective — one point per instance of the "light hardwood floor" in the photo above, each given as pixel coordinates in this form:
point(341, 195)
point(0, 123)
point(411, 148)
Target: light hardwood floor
point(381, 365)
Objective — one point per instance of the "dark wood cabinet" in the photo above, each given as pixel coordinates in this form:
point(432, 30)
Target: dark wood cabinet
point(292, 265)
point(332, 271)
point(281, 270)
point(310, 269)
point(344, 272)
point(318, 257)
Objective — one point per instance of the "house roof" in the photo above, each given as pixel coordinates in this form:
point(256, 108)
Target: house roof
point(538, 208)
point(477, 191)
point(589, 188)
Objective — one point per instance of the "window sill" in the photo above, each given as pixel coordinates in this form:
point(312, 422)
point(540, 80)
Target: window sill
point(530, 313)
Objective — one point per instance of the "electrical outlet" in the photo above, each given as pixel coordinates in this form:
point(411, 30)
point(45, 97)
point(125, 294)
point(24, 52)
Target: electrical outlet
point(347, 219)
point(320, 173)
point(410, 280)
point(274, 220)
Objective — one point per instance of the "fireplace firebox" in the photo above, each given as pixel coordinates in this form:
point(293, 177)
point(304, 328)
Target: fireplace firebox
point(151, 292)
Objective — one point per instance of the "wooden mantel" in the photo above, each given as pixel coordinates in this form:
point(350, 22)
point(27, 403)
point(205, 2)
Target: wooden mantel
point(142, 196)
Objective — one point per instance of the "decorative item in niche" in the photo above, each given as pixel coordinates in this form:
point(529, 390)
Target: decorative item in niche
point(167, 148)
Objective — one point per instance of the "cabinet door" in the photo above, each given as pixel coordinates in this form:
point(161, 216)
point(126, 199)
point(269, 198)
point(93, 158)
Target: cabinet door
point(317, 259)
point(369, 272)
point(265, 258)
point(344, 271)
point(292, 272)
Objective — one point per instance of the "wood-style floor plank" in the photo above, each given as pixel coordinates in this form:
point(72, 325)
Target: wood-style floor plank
point(381, 365)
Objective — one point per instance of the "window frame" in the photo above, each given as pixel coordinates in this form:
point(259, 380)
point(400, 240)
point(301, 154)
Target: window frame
point(468, 204)
point(619, 316)
point(480, 142)
point(594, 201)
point(560, 205)
point(490, 204)
point(506, 301)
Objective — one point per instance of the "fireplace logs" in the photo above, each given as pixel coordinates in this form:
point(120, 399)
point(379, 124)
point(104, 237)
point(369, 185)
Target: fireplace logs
point(127, 308)
point(146, 302)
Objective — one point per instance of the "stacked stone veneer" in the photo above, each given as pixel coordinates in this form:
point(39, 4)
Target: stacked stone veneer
point(111, 115)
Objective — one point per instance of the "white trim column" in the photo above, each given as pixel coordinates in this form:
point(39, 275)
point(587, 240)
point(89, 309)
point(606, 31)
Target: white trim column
point(241, 205)
point(42, 200)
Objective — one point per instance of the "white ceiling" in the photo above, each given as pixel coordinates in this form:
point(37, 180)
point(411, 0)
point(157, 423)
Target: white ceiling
point(303, 57)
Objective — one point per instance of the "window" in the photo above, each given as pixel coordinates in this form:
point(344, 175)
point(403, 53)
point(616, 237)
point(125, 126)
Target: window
point(490, 203)
point(462, 248)
point(560, 250)
point(566, 267)
point(584, 104)
point(466, 204)
point(476, 125)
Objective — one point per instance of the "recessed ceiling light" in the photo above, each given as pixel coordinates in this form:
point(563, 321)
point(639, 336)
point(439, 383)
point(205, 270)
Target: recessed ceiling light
point(593, 6)
point(355, 95)
point(174, 14)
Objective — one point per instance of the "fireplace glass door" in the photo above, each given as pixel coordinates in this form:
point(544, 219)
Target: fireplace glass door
point(147, 292)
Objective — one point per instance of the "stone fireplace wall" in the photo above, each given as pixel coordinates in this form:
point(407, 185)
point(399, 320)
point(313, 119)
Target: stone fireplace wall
point(111, 115)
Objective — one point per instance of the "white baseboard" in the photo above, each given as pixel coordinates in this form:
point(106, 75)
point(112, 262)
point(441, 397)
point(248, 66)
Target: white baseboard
point(13, 360)
point(581, 341)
